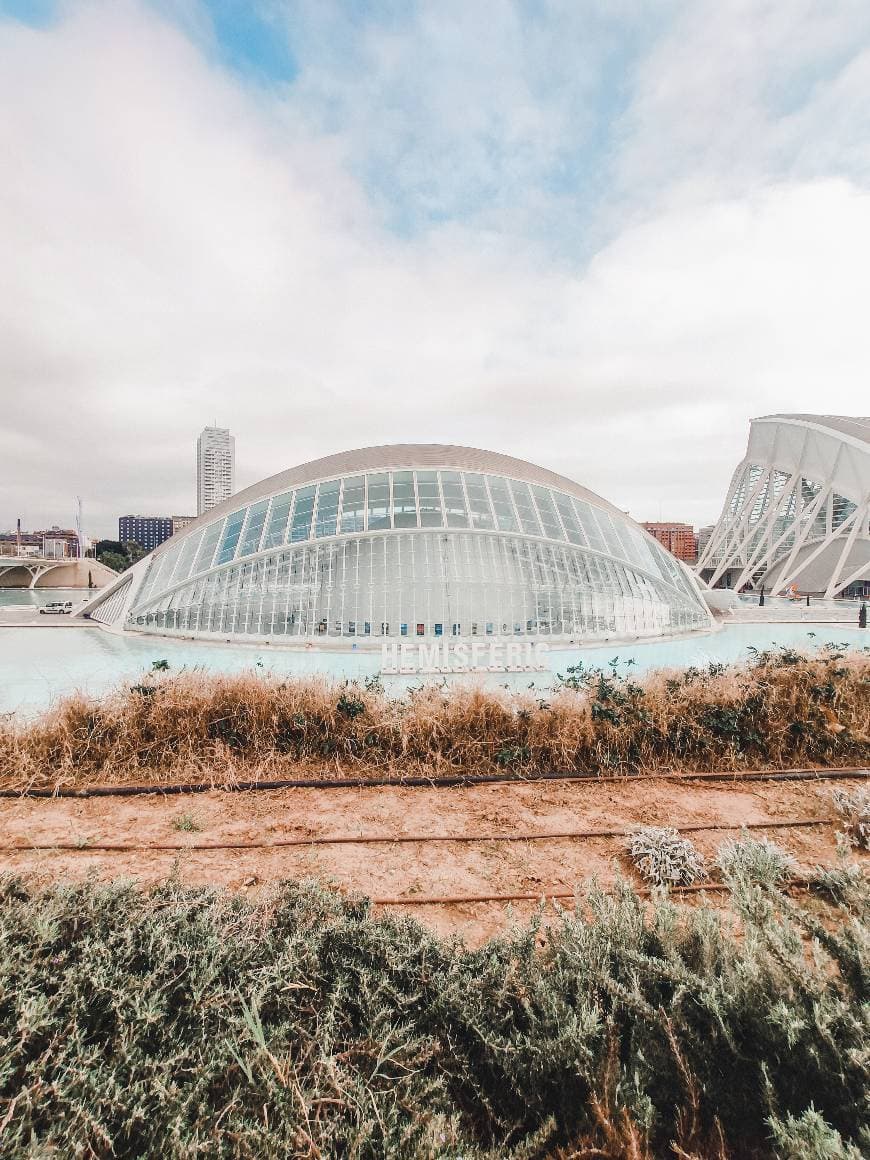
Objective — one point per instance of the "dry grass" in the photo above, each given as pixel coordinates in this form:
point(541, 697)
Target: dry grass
point(783, 709)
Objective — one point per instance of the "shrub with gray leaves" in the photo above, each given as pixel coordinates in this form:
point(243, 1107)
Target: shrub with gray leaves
point(756, 860)
point(808, 1135)
point(182, 1023)
point(853, 810)
point(663, 857)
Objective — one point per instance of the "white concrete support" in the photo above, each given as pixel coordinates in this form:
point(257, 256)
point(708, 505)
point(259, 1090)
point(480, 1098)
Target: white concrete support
point(859, 520)
point(36, 572)
point(845, 581)
point(734, 542)
point(821, 547)
point(809, 519)
point(764, 550)
point(770, 530)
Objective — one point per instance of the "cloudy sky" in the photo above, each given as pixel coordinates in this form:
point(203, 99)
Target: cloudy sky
point(597, 235)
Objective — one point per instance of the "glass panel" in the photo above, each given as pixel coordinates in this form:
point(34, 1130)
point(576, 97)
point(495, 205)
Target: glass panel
point(614, 547)
point(478, 502)
point(254, 527)
point(623, 531)
point(170, 560)
point(150, 580)
point(569, 518)
point(454, 499)
point(505, 517)
point(276, 529)
point(303, 510)
point(589, 525)
point(379, 500)
point(430, 500)
point(525, 508)
point(548, 514)
point(327, 508)
point(206, 549)
point(188, 553)
point(404, 501)
point(353, 504)
point(841, 510)
point(232, 531)
point(642, 551)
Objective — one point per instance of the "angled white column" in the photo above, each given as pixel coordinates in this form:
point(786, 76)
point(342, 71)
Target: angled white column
point(765, 530)
point(859, 520)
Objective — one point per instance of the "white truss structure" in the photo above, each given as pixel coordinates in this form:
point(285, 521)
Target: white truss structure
point(798, 508)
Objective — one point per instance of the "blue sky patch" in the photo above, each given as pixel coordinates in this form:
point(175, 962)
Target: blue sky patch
point(251, 40)
point(38, 13)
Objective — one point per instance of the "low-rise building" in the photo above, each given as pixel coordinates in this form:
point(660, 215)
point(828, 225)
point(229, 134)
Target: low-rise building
point(52, 543)
point(148, 532)
point(680, 540)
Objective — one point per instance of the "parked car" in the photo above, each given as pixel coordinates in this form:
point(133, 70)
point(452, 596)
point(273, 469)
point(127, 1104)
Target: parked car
point(57, 608)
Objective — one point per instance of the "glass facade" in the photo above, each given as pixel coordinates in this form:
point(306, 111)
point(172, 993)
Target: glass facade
point(417, 553)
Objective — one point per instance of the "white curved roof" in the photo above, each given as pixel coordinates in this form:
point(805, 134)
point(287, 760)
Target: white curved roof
point(392, 457)
point(853, 426)
point(830, 449)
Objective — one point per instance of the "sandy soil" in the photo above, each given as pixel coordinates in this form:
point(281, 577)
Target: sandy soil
point(408, 870)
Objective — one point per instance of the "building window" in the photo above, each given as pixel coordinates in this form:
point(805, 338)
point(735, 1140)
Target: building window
point(378, 486)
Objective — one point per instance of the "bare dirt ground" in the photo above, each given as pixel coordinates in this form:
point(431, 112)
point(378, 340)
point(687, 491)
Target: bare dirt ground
point(411, 870)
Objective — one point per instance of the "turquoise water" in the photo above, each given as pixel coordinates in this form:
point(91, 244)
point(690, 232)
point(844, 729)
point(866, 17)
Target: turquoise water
point(39, 665)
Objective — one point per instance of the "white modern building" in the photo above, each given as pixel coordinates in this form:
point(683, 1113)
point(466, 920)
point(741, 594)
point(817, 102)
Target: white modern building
point(215, 468)
point(797, 514)
point(421, 541)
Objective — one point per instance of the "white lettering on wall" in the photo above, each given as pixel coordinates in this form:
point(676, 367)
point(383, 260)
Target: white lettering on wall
point(461, 656)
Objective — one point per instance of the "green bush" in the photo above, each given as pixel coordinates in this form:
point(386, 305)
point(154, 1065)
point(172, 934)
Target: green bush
point(190, 1023)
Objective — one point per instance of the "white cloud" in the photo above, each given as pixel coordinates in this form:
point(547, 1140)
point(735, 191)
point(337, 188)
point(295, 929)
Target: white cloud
point(736, 93)
point(178, 249)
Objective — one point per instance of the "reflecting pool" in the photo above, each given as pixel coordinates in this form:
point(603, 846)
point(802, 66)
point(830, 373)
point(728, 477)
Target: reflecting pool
point(39, 665)
point(39, 597)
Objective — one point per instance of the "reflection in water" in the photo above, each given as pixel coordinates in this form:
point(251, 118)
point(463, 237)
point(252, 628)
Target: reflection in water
point(39, 597)
point(39, 665)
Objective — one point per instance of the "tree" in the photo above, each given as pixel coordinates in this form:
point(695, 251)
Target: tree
point(114, 560)
point(134, 551)
point(103, 546)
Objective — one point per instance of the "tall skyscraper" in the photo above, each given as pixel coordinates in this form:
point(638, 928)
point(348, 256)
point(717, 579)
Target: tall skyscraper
point(215, 467)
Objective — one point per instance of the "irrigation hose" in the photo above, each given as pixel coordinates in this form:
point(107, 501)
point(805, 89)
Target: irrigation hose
point(555, 895)
point(394, 839)
point(457, 780)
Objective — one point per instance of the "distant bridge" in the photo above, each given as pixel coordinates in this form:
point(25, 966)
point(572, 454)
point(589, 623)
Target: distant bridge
point(42, 572)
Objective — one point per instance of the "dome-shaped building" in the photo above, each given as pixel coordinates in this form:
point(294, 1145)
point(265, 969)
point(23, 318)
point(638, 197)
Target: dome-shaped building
point(408, 541)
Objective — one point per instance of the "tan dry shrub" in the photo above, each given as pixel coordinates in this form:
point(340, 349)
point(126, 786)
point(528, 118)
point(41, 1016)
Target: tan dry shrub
point(783, 710)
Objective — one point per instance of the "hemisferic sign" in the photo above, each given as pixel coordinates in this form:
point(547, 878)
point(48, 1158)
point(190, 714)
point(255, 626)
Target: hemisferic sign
point(462, 656)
